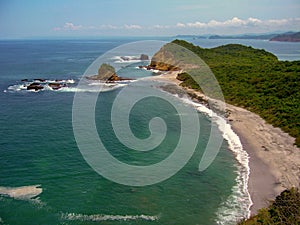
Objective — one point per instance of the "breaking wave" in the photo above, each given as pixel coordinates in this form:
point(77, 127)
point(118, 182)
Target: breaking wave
point(66, 86)
point(100, 217)
point(237, 205)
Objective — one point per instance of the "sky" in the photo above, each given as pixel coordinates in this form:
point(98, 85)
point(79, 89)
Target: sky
point(76, 18)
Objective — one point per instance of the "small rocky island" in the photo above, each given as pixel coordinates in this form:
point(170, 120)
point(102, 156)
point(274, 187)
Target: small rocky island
point(107, 73)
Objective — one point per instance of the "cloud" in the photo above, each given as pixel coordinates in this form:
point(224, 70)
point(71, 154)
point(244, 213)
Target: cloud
point(71, 26)
point(236, 22)
point(108, 26)
point(157, 26)
point(180, 25)
point(230, 26)
point(132, 26)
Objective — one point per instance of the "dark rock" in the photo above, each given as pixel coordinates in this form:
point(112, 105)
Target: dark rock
point(144, 57)
point(56, 86)
point(125, 58)
point(35, 86)
point(108, 74)
point(24, 80)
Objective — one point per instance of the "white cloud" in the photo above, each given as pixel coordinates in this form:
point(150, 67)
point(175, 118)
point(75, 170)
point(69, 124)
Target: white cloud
point(132, 26)
point(196, 24)
point(230, 26)
point(157, 26)
point(71, 26)
point(180, 25)
point(236, 22)
point(108, 26)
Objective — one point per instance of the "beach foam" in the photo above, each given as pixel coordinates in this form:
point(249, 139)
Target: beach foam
point(22, 193)
point(238, 204)
point(101, 217)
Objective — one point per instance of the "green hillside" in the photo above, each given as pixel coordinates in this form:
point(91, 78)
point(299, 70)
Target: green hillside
point(256, 80)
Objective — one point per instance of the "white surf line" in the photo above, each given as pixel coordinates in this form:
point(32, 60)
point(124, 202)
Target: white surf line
point(22, 193)
point(240, 190)
point(101, 217)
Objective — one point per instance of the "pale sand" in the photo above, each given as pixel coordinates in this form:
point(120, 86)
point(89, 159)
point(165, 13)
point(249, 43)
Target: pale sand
point(274, 159)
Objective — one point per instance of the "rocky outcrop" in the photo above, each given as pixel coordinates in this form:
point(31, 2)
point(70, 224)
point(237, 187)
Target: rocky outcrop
point(144, 57)
point(107, 73)
point(35, 86)
point(164, 60)
point(56, 86)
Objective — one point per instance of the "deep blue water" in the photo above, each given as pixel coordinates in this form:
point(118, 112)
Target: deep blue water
point(37, 146)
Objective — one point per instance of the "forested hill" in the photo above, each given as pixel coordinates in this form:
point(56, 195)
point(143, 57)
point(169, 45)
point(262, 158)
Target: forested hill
point(256, 80)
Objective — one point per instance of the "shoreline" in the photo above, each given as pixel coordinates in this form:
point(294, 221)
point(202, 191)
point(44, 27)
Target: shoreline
point(274, 160)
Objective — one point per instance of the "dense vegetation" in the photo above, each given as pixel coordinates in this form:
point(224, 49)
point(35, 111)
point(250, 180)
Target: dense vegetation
point(256, 80)
point(285, 210)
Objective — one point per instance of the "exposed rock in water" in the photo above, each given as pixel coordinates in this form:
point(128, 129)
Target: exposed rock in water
point(107, 73)
point(56, 86)
point(35, 86)
point(144, 57)
point(24, 80)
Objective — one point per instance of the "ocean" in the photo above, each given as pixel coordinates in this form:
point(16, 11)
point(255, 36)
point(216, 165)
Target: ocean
point(38, 146)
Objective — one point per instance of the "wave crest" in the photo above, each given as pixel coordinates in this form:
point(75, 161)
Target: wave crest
point(101, 217)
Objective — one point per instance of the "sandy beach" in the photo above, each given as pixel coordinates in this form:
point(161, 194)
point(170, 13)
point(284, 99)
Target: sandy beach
point(274, 159)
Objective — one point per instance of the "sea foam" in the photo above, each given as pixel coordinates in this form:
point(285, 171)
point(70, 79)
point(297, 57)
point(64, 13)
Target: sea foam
point(22, 193)
point(90, 87)
point(101, 217)
point(237, 205)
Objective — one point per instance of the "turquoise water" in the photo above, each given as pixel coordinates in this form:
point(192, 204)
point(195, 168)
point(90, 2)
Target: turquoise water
point(37, 147)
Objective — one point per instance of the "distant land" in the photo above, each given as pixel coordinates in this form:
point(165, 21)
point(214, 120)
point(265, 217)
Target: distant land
point(294, 37)
point(287, 36)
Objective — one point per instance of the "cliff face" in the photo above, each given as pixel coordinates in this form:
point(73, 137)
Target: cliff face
point(295, 37)
point(164, 60)
point(173, 57)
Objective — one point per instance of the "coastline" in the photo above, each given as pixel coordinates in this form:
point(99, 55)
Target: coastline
point(274, 160)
